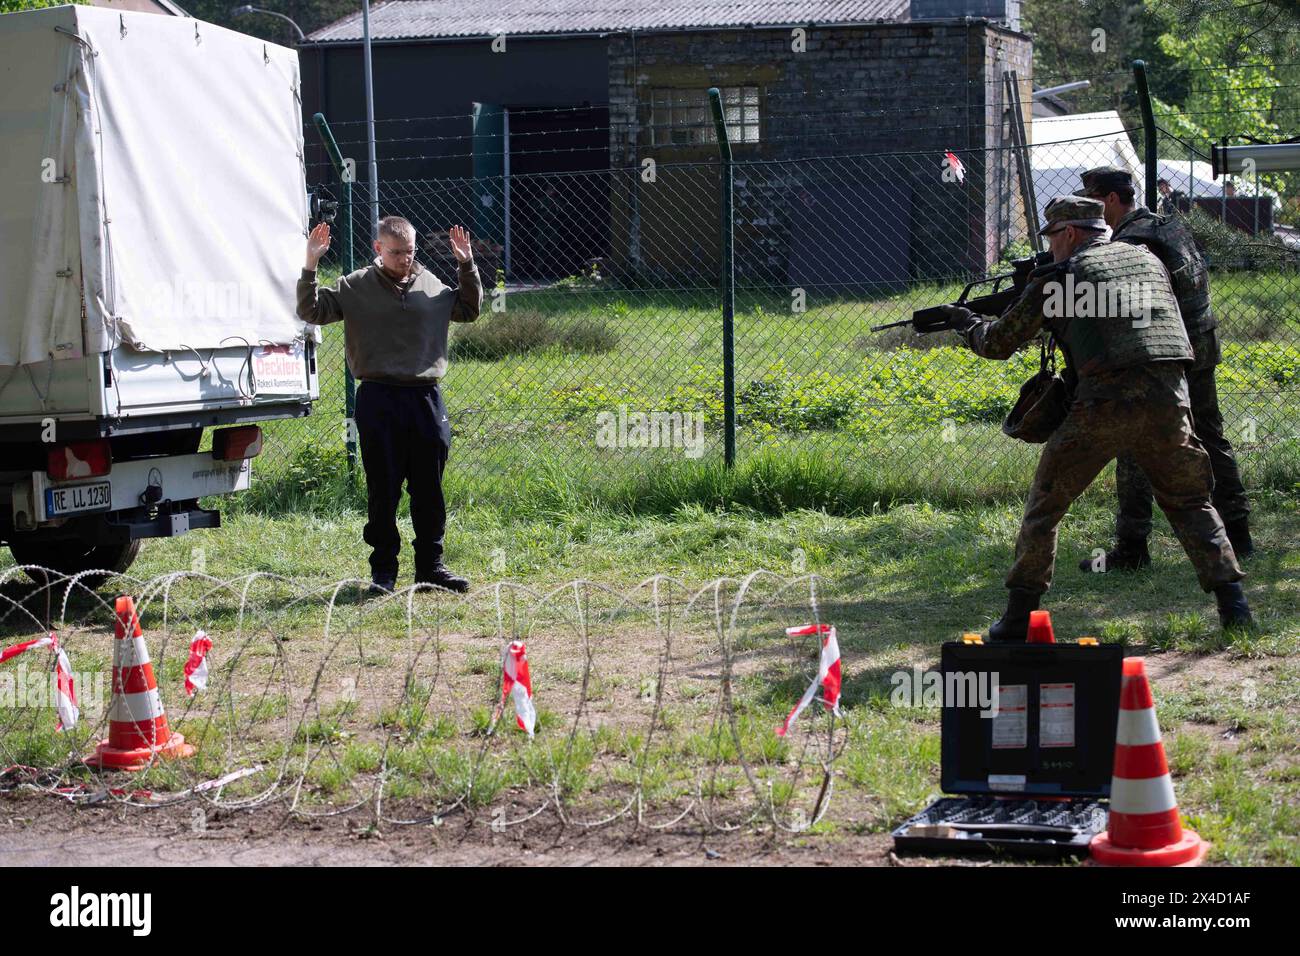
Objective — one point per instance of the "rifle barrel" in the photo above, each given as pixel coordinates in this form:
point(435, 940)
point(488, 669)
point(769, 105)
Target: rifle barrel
point(891, 325)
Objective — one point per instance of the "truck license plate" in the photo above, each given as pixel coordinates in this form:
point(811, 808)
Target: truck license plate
point(93, 497)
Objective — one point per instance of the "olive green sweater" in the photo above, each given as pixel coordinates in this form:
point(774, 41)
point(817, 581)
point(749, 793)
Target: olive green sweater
point(395, 333)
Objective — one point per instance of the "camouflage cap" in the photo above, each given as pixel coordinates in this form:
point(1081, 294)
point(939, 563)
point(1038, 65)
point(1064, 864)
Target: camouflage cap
point(1073, 211)
point(1105, 179)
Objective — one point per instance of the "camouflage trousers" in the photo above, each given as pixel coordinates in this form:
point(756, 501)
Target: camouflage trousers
point(1133, 519)
point(1143, 413)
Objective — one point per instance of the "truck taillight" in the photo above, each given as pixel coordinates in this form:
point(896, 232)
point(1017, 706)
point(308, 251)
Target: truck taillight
point(82, 459)
point(232, 444)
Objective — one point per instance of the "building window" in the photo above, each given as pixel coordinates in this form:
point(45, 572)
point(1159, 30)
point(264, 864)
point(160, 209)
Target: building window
point(683, 117)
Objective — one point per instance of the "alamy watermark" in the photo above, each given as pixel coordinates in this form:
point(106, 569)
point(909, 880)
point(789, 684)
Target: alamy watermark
point(963, 689)
point(180, 300)
point(22, 688)
point(76, 909)
point(1099, 300)
point(624, 429)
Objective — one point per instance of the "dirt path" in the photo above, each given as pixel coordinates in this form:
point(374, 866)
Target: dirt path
point(112, 837)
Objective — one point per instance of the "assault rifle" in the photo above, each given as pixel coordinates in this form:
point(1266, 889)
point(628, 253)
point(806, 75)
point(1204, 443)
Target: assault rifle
point(933, 319)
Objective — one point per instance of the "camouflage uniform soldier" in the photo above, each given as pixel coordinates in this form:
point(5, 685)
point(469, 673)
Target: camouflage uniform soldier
point(1130, 398)
point(1174, 246)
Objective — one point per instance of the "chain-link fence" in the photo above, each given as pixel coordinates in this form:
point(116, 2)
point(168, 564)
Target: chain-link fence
point(600, 348)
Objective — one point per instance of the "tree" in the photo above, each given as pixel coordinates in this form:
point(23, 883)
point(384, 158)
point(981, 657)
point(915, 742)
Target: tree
point(1190, 14)
point(1216, 68)
point(13, 6)
point(308, 14)
point(1098, 40)
point(1241, 59)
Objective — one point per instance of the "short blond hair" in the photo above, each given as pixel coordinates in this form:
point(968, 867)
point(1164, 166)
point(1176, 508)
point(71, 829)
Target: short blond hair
point(396, 227)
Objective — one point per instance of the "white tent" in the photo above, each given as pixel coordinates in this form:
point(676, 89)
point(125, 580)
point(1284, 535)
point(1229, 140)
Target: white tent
point(1194, 178)
point(1066, 141)
point(1191, 177)
point(1062, 147)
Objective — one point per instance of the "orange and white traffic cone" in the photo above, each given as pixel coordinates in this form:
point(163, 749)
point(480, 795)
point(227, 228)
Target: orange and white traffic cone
point(137, 726)
point(1143, 829)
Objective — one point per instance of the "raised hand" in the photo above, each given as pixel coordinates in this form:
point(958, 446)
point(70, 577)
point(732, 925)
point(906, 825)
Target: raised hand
point(459, 238)
point(317, 244)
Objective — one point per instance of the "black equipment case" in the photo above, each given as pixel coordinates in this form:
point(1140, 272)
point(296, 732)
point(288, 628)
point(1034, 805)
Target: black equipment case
point(1033, 780)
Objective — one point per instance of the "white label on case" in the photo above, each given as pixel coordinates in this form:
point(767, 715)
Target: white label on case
point(1056, 715)
point(1009, 725)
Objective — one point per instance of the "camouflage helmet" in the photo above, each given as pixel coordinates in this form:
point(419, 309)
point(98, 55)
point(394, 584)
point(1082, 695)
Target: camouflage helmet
point(1073, 211)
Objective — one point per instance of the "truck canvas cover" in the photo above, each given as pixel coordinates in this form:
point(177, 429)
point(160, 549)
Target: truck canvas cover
point(138, 207)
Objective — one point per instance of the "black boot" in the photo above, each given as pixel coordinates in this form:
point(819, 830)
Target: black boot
point(1013, 625)
point(1129, 554)
point(382, 584)
point(440, 577)
point(1233, 609)
point(1239, 535)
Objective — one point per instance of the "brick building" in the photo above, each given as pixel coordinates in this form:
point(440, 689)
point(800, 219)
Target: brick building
point(885, 86)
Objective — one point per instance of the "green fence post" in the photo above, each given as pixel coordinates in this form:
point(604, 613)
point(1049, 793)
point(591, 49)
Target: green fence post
point(1149, 129)
point(345, 178)
point(728, 284)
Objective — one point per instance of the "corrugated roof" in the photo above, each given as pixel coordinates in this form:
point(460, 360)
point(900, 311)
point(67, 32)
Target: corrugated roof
point(420, 19)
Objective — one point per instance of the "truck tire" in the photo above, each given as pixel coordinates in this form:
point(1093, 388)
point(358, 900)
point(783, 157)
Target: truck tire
point(72, 557)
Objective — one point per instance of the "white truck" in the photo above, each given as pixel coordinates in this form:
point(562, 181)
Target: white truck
point(153, 217)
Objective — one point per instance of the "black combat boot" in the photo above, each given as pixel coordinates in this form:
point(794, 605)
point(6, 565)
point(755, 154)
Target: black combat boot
point(1013, 626)
point(1129, 554)
point(440, 577)
point(1233, 609)
point(1239, 535)
point(382, 584)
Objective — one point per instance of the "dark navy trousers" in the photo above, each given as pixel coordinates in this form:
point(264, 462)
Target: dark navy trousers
point(405, 437)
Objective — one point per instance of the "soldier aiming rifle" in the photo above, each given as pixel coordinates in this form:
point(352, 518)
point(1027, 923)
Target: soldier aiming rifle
point(1130, 398)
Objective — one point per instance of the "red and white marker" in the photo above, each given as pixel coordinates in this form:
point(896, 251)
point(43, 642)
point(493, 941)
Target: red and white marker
point(196, 668)
point(37, 642)
point(828, 674)
point(66, 697)
point(516, 683)
point(65, 694)
point(950, 161)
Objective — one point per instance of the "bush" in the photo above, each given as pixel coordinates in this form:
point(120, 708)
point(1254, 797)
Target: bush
point(589, 335)
point(519, 332)
point(924, 387)
point(1019, 249)
point(814, 402)
point(494, 337)
point(1226, 247)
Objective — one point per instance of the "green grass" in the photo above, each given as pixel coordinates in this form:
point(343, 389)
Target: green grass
point(876, 465)
point(908, 416)
point(897, 581)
